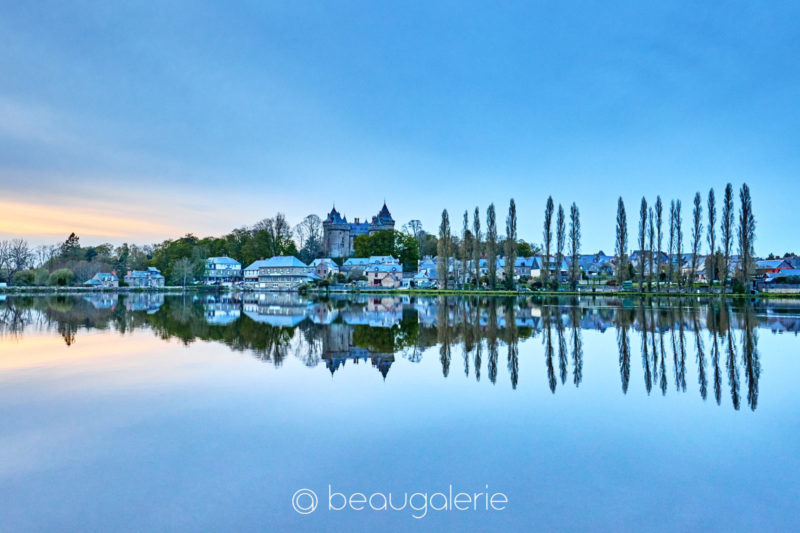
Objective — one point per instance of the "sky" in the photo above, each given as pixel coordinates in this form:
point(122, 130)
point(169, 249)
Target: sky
point(142, 121)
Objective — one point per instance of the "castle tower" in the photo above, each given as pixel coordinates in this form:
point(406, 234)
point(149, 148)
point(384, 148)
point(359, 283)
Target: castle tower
point(382, 221)
point(336, 235)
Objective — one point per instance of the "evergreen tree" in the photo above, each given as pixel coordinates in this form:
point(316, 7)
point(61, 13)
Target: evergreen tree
point(671, 253)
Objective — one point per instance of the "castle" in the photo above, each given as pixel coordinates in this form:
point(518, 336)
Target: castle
point(339, 234)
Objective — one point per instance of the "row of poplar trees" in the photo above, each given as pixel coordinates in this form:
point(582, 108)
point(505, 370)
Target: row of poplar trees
point(475, 245)
point(720, 246)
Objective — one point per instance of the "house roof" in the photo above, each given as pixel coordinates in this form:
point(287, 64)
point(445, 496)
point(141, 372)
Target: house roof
point(223, 260)
point(787, 272)
point(151, 272)
point(772, 263)
point(384, 268)
point(382, 259)
point(283, 261)
point(324, 261)
point(255, 265)
point(357, 261)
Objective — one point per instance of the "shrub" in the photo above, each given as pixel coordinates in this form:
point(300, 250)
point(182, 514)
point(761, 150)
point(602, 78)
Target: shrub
point(61, 277)
point(24, 278)
point(738, 287)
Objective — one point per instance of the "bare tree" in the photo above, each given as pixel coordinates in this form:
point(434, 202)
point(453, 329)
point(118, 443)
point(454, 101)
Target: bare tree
point(547, 235)
point(747, 234)
point(414, 228)
point(443, 259)
point(561, 237)
point(711, 262)
point(697, 235)
point(621, 247)
point(642, 237)
point(5, 256)
point(726, 232)
point(510, 244)
point(574, 245)
point(491, 245)
point(476, 245)
point(21, 256)
point(309, 233)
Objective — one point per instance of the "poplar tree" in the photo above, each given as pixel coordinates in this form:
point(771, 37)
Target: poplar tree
point(726, 232)
point(465, 245)
point(574, 245)
point(651, 238)
point(711, 262)
point(747, 234)
point(697, 235)
point(491, 245)
point(671, 264)
point(660, 236)
point(622, 241)
point(443, 250)
point(476, 246)
point(510, 244)
point(547, 235)
point(561, 237)
point(679, 241)
point(642, 238)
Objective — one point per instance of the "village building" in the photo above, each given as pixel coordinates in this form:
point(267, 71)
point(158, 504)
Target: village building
point(385, 275)
point(338, 235)
point(221, 270)
point(284, 273)
point(250, 273)
point(150, 278)
point(324, 267)
point(104, 280)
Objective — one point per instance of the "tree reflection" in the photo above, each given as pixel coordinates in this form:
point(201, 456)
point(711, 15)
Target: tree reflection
point(548, 348)
point(624, 352)
point(577, 346)
point(335, 331)
point(701, 357)
point(751, 363)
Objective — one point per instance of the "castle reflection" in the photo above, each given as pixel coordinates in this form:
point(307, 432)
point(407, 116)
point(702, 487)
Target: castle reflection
point(721, 337)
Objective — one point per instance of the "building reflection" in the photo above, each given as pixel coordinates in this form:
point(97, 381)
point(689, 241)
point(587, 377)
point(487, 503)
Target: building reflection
point(470, 332)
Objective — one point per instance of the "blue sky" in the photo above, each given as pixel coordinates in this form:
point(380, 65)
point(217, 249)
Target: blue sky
point(143, 121)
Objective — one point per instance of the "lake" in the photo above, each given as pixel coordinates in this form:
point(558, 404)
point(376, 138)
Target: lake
point(277, 412)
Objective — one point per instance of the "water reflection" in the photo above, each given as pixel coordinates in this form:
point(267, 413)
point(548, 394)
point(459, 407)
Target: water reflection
point(376, 330)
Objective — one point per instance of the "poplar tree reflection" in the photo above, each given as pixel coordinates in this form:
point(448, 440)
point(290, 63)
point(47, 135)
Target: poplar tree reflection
point(548, 348)
point(577, 346)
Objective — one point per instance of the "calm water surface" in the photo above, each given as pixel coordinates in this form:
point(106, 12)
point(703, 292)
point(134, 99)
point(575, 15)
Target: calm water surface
point(167, 413)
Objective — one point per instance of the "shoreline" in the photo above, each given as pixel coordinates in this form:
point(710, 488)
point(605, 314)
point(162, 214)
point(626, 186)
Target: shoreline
point(47, 290)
